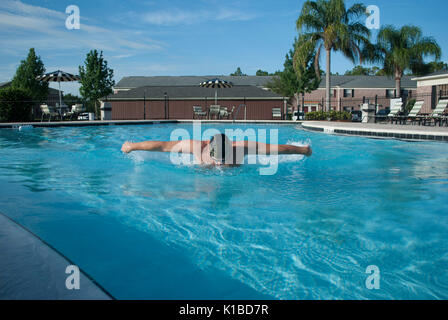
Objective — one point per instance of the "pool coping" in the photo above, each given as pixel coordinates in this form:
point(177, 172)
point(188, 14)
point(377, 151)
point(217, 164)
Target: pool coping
point(21, 238)
point(377, 132)
point(16, 125)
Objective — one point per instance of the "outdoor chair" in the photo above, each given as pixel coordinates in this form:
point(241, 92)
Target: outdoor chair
point(77, 109)
point(394, 114)
point(276, 113)
point(438, 114)
point(197, 112)
point(47, 111)
point(224, 113)
point(414, 115)
point(214, 111)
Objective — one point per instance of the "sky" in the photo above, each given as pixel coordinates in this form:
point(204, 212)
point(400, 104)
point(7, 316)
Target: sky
point(179, 37)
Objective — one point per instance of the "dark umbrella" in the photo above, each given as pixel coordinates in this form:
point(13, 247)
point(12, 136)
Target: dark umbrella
point(216, 83)
point(58, 76)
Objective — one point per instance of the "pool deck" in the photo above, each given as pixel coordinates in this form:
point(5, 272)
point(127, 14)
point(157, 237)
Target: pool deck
point(379, 131)
point(369, 130)
point(32, 270)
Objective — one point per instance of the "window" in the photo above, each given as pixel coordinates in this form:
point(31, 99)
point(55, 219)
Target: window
point(332, 93)
point(349, 93)
point(390, 93)
point(442, 90)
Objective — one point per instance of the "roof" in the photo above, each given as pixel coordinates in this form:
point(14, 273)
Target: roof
point(196, 92)
point(368, 82)
point(160, 81)
point(434, 75)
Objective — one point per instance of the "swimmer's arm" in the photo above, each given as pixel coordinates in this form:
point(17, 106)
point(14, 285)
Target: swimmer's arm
point(251, 147)
point(184, 146)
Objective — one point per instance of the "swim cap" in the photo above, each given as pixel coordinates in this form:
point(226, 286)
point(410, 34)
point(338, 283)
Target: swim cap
point(219, 145)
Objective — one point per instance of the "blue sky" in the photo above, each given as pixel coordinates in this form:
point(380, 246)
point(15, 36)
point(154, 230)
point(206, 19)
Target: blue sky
point(178, 37)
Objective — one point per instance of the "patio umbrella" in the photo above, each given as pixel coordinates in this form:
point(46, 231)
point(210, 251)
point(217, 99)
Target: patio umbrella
point(216, 83)
point(58, 76)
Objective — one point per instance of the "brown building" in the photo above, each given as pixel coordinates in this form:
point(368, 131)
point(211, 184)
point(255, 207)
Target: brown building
point(349, 92)
point(431, 89)
point(139, 98)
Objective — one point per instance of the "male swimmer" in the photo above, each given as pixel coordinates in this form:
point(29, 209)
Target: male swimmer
point(218, 151)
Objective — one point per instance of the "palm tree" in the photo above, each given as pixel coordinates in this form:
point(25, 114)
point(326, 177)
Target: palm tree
point(328, 24)
point(403, 49)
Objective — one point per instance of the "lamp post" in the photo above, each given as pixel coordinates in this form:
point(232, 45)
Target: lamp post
point(166, 100)
point(144, 105)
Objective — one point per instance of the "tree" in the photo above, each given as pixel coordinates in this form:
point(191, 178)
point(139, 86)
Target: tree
point(25, 77)
point(359, 71)
point(261, 73)
point(328, 25)
point(299, 74)
point(70, 99)
point(96, 78)
point(428, 68)
point(238, 72)
point(403, 49)
point(15, 104)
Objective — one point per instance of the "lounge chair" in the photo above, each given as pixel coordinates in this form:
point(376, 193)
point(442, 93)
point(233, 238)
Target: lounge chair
point(413, 115)
point(438, 114)
point(394, 114)
point(197, 112)
point(276, 113)
point(77, 109)
point(48, 111)
point(214, 111)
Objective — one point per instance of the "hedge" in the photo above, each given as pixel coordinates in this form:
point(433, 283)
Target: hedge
point(15, 105)
point(333, 115)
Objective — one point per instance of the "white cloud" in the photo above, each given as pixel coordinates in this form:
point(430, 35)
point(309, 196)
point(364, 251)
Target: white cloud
point(182, 17)
point(23, 24)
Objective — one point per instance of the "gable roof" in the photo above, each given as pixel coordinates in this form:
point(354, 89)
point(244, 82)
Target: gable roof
point(167, 81)
point(368, 82)
point(196, 92)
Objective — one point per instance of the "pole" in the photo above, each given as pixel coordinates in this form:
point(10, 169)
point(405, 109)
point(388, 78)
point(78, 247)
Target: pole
point(144, 105)
point(60, 100)
point(216, 96)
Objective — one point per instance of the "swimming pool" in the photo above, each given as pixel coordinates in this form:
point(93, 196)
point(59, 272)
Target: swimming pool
point(145, 228)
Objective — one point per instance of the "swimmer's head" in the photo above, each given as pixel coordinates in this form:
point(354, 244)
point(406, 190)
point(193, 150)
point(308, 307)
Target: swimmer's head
point(220, 146)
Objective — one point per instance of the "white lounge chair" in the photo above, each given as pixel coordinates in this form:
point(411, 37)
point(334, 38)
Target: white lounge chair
point(394, 114)
point(438, 114)
point(276, 113)
point(413, 115)
point(47, 111)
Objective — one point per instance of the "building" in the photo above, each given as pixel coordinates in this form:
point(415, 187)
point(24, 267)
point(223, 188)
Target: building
point(349, 92)
point(137, 98)
point(431, 88)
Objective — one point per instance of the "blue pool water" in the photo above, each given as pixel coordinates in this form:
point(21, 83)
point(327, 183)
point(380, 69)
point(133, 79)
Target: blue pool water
point(145, 228)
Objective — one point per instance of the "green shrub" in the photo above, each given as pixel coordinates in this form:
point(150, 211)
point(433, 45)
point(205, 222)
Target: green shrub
point(333, 115)
point(15, 105)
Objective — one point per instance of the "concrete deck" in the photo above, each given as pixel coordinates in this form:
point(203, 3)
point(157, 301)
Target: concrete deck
point(32, 270)
point(379, 131)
